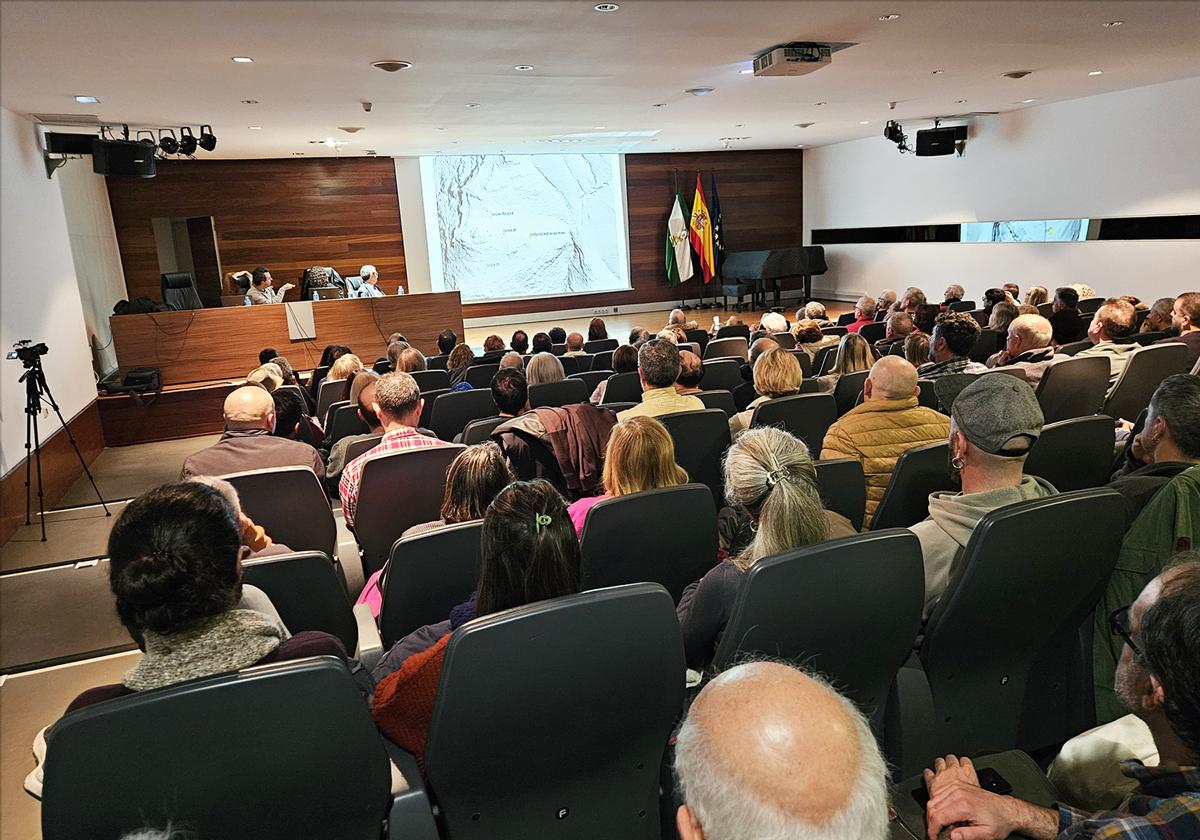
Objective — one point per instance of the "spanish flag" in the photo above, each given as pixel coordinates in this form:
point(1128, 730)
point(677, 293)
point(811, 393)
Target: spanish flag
point(701, 232)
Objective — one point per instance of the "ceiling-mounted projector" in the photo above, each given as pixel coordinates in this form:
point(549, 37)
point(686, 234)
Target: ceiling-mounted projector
point(795, 59)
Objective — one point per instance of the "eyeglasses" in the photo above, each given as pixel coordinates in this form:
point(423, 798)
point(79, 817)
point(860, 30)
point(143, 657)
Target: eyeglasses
point(1118, 624)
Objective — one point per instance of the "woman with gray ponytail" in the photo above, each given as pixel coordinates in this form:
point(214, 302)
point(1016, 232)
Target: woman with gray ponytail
point(770, 477)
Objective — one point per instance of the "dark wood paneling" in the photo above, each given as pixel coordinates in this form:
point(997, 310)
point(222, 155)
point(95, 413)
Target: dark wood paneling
point(761, 201)
point(180, 413)
point(284, 214)
point(204, 344)
point(60, 469)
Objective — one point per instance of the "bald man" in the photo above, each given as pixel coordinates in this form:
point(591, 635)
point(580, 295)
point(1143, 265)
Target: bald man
point(887, 424)
point(248, 443)
point(768, 751)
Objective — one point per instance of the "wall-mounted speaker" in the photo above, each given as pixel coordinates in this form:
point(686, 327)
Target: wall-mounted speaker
point(123, 158)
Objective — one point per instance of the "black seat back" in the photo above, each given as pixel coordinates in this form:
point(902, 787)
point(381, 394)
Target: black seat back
point(430, 397)
point(1088, 306)
point(361, 447)
point(701, 438)
point(479, 431)
point(344, 422)
point(1073, 388)
point(873, 332)
point(987, 343)
point(179, 291)
point(431, 380)
point(600, 345)
point(722, 374)
point(1144, 370)
point(919, 472)
point(805, 361)
point(784, 339)
point(823, 361)
point(480, 376)
point(602, 360)
point(307, 591)
point(843, 488)
point(672, 557)
point(733, 331)
point(849, 387)
point(623, 387)
point(1075, 346)
point(792, 607)
point(926, 395)
point(733, 347)
point(560, 393)
point(591, 378)
point(254, 742)
point(698, 336)
point(290, 504)
point(330, 392)
point(551, 720)
point(453, 411)
point(961, 306)
point(1074, 454)
point(1002, 658)
point(807, 416)
point(718, 399)
point(427, 576)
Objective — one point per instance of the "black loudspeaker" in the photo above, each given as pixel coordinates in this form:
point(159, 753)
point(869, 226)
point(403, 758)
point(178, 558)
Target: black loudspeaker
point(61, 143)
point(940, 141)
point(123, 158)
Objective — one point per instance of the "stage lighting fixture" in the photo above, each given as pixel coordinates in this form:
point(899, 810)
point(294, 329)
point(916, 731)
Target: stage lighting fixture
point(208, 140)
point(167, 141)
point(187, 142)
point(148, 139)
point(894, 132)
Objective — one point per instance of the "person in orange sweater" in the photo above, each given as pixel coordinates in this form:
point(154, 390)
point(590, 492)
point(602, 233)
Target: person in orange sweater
point(528, 553)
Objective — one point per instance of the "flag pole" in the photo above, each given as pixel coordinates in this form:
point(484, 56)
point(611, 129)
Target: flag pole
point(683, 304)
point(704, 304)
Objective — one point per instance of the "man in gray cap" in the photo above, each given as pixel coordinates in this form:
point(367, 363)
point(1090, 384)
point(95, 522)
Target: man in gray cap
point(994, 421)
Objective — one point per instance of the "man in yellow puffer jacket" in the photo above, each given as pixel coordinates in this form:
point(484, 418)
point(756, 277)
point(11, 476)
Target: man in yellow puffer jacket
point(887, 424)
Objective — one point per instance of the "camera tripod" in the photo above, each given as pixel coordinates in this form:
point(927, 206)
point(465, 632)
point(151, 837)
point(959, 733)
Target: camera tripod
point(36, 390)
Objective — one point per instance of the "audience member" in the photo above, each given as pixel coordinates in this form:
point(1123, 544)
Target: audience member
point(543, 368)
point(771, 482)
point(639, 334)
point(1185, 323)
point(394, 349)
point(291, 419)
point(770, 751)
point(332, 353)
point(814, 310)
point(337, 453)
point(1013, 291)
point(446, 341)
point(396, 336)
point(916, 349)
point(409, 359)
point(624, 360)
point(268, 377)
point(672, 333)
point(888, 423)
point(954, 336)
point(1003, 314)
point(1066, 321)
point(596, 330)
point(268, 353)
point(1027, 309)
point(910, 300)
point(1135, 302)
point(1037, 295)
point(520, 342)
point(864, 313)
point(575, 345)
point(512, 359)
point(460, 359)
point(248, 443)
point(344, 367)
point(953, 294)
point(1168, 444)
point(773, 322)
point(992, 297)
point(542, 343)
point(853, 355)
point(1111, 333)
point(676, 317)
point(994, 422)
point(285, 368)
point(776, 374)
point(640, 456)
point(1158, 318)
point(658, 368)
point(885, 300)
point(809, 337)
point(1156, 679)
point(558, 335)
point(1028, 347)
point(745, 393)
point(528, 553)
point(510, 392)
point(691, 373)
point(493, 349)
point(924, 317)
point(398, 406)
point(899, 327)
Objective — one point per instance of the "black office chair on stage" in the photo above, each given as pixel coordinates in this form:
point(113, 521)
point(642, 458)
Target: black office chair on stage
point(179, 291)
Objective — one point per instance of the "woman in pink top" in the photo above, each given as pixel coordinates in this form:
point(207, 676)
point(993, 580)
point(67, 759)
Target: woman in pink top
point(640, 456)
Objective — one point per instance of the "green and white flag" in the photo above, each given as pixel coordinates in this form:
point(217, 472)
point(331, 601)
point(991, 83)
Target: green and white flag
point(679, 248)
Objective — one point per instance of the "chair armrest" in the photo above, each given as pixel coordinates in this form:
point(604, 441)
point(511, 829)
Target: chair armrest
point(370, 643)
point(411, 814)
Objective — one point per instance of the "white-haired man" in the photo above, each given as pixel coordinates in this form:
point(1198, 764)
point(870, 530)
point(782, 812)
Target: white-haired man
point(677, 318)
point(864, 313)
point(773, 322)
point(769, 751)
point(369, 287)
point(1029, 347)
point(814, 310)
point(954, 293)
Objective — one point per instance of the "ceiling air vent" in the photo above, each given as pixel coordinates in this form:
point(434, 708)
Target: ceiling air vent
point(67, 119)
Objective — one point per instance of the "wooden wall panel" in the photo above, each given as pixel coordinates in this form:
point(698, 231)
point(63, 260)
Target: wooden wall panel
point(284, 214)
point(761, 207)
point(178, 413)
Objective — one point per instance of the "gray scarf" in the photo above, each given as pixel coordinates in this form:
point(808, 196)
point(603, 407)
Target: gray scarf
point(226, 642)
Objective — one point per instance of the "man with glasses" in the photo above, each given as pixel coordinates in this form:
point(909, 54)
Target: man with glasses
point(1158, 680)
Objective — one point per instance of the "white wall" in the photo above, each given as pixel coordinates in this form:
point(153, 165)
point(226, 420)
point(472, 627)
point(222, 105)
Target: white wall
point(1129, 153)
point(40, 298)
point(412, 222)
point(94, 252)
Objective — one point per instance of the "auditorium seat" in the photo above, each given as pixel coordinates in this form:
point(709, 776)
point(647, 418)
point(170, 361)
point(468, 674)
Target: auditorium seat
point(551, 720)
point(1073, 388)
point(398, 490)
point(919, 471)
point(591, 378)
point(382, 366)
point(843, 488)
point(1144, 370)
point(848, 389)
point(617, 407)
point(290, 504)
point(309, 592)
point(733, 331)
point(734, 347)
point(691, 347)
point(600, 344)
point(179, 291)
point(558, 349)
point(792, 607)
point(602, 360)
point(328, 393)
point(1003, 666)
point(843, 319)
point(273, 751)
point(361, 447)
point(722, 374)
point(431, 380)
point(701, 438)
point(926, 395)
point(838, 330)
point(961, 306)
point(480, 376)
point(698, 336)
point(1088, 306)
point(784, 339)
point(430, 397)
point(453, 411)
point(574, 364)
point(873, 332)
point(437, 362)
point(807, 416)
point(623, 387)
point(1147, 338)
point(666, 536)
point(1074, 454)
point(824, 360)
point(987, 343)
point(344, 422)
point(1074, 347)
point(480, 431)
point(560, 393)
point(427, 576)
point(805, 361)
point(1046, 309)
point(718, 398)
point(980, 316)
point(315, 379)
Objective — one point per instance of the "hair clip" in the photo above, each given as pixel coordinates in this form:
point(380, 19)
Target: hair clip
point(776, 476)
point(539, 520)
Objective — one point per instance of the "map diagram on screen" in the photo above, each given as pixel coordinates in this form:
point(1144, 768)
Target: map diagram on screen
point(512, 226)
point(1039, 230)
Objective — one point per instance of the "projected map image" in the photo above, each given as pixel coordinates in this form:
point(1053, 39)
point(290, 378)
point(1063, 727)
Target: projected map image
point(507, 226)
point(1040, 230)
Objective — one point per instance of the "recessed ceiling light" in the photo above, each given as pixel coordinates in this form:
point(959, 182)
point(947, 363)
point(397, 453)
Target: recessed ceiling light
point(1026, 101)
point(523, 67)
point(87, 100)
point(254, 127)
point(864, 122)
point(599, 127)
point(439, 128)
point(799, 145)
point(1096, 73)
point(700, 91)
point(249, 101)
point(739, 125)
point(243, 59)
point(659, 105)
point(1113, 23)
point(819, 104)
point(747, 71)
point(889, 17)
point(936, 72)
point(391, 65)
point(959, 101)
point(804, 125)
point(606, 7)
point(472, 104)
point(298, 154)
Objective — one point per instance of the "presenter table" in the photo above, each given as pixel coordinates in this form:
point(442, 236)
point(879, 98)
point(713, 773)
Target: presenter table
point(205, 344)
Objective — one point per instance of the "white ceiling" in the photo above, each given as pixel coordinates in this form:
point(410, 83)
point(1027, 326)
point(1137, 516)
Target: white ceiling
point(168, 63)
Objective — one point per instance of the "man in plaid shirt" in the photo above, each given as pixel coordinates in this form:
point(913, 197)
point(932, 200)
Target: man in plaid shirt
point(398, 406)
point(1158, 679)
point(954, 336)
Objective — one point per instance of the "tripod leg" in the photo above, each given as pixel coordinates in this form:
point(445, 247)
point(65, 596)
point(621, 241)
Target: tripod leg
point(37, 454)
point(67, 429)
point(28, 461)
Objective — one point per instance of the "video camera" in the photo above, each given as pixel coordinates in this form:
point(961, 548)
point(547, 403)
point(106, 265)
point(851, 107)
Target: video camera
point(28, 352)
